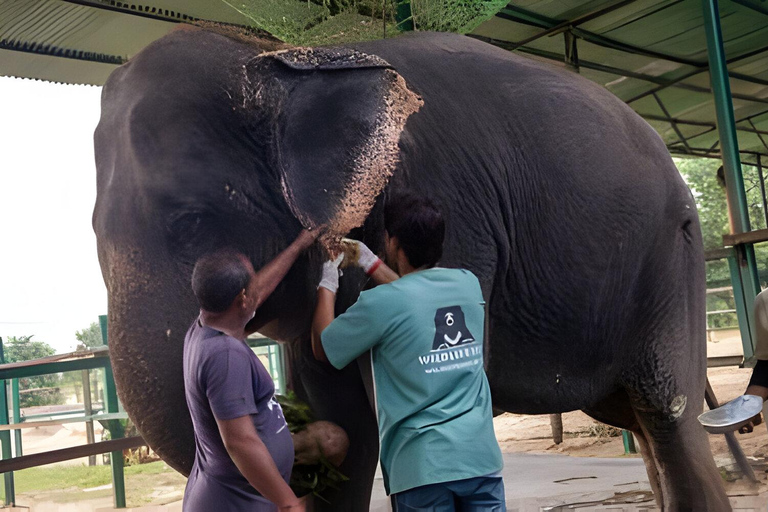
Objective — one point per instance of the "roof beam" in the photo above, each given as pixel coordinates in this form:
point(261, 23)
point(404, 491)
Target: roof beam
point(673, 123)
point(666, 118)
point(616, 71)
point(514, 13)
point(518, 14)
point(574, 23)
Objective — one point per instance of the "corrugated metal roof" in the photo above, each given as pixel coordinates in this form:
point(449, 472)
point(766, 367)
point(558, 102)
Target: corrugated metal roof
point(653, 55)
point(82, 41)
point(650, 53)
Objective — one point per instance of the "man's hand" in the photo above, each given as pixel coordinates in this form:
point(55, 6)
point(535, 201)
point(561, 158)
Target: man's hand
point(357, 253)
point(307, 237)
point(299, 506)
point(749, 427)
point(330, 279)
point(255, 463)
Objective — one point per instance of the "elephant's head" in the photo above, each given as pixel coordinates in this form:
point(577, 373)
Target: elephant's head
point(205, 142)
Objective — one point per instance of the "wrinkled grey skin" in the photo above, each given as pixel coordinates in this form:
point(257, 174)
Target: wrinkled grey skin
point(562, 201)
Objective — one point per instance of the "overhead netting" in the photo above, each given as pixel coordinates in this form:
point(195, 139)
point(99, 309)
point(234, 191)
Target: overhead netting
point(325, 22)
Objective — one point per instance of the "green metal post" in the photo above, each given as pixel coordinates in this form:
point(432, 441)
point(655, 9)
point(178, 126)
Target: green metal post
point(734, 179)
point(5, 437)
point(404, 16)
point(629, 442)
point(16, 415)
point(116, 431)
point(741, 307)
point(281, 369)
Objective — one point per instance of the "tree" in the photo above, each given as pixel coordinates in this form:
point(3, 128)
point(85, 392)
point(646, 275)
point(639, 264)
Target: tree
point(701, 175)
point(22, 348)
point(89, 337)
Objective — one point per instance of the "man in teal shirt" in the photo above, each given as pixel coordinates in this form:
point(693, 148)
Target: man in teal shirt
point(425, 332)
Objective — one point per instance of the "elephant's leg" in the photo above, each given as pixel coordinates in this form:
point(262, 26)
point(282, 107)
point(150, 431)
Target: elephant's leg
point(340, 397)
point(689, 478)
point(650, 466)
point(617, 410)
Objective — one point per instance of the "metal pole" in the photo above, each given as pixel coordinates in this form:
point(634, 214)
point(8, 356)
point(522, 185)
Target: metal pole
point(5, 437)
point(88, 410)
point(116, 430)
point(16, 415)
point(762, 188)
point(403, 16)
point(741, 308)
point(734, 179)
point(629, 442)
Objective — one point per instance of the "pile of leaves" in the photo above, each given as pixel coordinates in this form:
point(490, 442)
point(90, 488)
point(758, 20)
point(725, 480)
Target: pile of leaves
point(317, 478)
point(332, 22)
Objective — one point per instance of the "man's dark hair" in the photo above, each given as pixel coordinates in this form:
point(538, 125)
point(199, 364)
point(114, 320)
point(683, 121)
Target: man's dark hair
point(418, 226)
point(218, 278)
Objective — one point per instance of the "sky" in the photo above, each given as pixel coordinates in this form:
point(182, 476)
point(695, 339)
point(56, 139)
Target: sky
point(50, 281)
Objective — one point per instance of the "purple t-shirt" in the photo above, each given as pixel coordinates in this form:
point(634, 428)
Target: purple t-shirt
point(224, 379)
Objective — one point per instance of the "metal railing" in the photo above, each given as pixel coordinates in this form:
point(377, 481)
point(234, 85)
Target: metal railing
point(110, 417)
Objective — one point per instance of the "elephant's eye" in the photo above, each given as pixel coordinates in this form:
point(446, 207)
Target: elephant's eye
point(449, 319)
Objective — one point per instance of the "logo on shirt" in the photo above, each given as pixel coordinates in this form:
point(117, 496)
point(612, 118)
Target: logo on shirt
point(450, 329)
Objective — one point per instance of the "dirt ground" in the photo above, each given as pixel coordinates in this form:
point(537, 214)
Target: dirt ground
point(533, 434)
point(519, 433)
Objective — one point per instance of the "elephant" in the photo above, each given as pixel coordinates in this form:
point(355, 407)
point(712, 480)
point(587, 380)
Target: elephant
point(562, 200)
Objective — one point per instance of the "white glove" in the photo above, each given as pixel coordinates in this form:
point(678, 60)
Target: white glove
point(366, 260)
point(330, 280)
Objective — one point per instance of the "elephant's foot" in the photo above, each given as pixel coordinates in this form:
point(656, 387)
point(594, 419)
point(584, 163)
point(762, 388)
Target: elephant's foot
point(679, 459)
point(676, 453)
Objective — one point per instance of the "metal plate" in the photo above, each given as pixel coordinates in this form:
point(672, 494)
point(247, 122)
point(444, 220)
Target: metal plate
point(731, 416)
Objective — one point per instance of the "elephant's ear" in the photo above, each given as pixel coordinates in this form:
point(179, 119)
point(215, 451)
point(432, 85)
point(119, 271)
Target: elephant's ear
point(337, 133)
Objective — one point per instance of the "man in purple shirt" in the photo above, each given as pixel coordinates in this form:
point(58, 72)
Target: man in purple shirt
point(244, 450)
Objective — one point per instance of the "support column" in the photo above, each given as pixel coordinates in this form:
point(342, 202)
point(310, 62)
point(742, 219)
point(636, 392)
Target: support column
point(5, 437)
point(88, 409)
point(116, 429)
point(734, 179)
point(16, 416)
point(404, 16)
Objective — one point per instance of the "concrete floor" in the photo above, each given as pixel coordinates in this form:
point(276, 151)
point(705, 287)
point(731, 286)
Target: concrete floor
point(540, 482)
point(533, 483)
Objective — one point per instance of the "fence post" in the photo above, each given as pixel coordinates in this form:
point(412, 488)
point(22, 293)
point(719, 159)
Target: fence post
point(88, 409)
point(629, 442)
point(116, 429)
point(16, 415)
point(5, 437)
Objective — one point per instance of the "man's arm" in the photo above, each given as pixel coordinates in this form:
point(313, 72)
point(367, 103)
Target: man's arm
point(273, 272)
point(371, 264)
point(383, 274)
point(324, 311)
point(254, 461)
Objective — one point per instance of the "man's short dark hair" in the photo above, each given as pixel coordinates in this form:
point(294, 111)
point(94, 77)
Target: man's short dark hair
point(218, 278)
point(418, 226)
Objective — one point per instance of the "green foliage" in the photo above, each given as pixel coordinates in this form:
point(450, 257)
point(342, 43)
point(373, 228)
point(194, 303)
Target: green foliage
point(461, 16)
point(330, 22)
point(89, 337)
point(701, 177)
point(317, 478)
point(34, 391)
point(297, 414)
point(51, 478)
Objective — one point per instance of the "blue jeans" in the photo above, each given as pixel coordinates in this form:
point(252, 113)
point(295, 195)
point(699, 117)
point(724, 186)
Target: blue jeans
point(481, 494)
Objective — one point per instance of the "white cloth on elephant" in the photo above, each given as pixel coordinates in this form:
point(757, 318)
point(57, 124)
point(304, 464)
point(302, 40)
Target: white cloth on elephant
point(330, 279)
point(366, 260)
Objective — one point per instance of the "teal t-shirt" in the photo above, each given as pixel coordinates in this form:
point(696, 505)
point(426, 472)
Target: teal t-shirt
point(425, 332)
